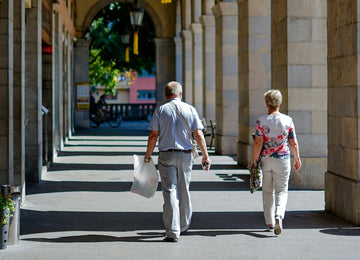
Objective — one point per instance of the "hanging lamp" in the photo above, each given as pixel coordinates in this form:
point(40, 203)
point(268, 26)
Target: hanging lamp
point(136, 18)
point(125, 39)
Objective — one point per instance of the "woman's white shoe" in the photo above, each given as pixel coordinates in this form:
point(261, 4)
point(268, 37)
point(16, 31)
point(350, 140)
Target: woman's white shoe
point(278, 226)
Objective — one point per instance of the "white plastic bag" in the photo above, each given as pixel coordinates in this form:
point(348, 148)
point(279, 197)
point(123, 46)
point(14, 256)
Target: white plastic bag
point(146, 177)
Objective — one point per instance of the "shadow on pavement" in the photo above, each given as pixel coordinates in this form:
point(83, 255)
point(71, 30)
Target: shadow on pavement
point(342, 231)
point(105, 145)
point(90, 153)
point(123, 186)
point(145, 237)
point(88, 166)
point(121, 166)
point(112, 132)
point(203, 224)
point(77, 139)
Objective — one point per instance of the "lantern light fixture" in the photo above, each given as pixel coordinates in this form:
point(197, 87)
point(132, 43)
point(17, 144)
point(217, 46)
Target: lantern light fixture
point(125, 38)
point(136, 17)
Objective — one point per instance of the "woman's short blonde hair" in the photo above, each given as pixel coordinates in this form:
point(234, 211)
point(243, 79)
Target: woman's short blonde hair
point(273, 98)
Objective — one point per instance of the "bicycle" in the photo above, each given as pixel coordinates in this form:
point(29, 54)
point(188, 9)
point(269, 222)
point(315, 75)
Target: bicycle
point(114, 120)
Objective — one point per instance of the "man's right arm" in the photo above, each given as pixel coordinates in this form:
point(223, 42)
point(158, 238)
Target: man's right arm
point(199, 136)
point(151, 144)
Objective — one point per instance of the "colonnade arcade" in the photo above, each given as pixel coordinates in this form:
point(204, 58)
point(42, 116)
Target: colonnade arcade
point(225, 53)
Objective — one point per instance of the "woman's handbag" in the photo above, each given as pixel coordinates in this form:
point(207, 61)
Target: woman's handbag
point(194, 150)
point(255, 177)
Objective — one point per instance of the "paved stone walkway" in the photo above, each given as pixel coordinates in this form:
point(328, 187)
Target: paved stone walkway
point(83, 209)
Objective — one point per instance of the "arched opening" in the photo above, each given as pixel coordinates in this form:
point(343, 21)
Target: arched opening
point(121, 65)
point(134, 101)
point(162, 18)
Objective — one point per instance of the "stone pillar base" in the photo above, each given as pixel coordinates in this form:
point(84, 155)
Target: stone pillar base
point(82, 119)
point(342, 197)
point(310, 175)
point(244, 154)
point(225, 144)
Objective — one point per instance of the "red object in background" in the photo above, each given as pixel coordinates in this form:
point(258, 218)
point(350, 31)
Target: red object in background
point(141, 84)
point(47, 50)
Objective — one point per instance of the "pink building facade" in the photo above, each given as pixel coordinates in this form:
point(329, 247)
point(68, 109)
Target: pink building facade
point(142, 91)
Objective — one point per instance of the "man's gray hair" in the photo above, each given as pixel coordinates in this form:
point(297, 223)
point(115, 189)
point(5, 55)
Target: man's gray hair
point(172, 88)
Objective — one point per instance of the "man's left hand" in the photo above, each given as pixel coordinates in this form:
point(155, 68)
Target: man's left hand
point(206, 164)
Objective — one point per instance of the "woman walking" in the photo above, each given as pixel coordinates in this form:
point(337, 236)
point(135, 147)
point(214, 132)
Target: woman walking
point(275, 132)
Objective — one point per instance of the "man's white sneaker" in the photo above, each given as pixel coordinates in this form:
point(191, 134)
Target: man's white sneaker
point(278, 226)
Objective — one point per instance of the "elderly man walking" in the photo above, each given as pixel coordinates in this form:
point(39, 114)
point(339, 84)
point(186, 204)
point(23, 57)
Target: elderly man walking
point(175, 157)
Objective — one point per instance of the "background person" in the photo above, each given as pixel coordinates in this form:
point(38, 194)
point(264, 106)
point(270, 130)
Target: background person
point(101, 106)
point(274, 133)
point(175, 158)
point(92, 109)
point(92, 104)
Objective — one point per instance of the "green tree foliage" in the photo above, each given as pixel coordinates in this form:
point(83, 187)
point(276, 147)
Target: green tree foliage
point(107, 52)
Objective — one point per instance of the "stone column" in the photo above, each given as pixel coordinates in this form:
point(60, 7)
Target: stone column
point(6, 88)
point(197, 71)
point(33, 91)
point(61, 72)
point(48, 77)
point(52, 102)
point(226, 25)
point(47, 95)
point(178, 44)
point(66, 46)
point(165, 65)
point(69, 86)
point(73, 88)
point(19, 94)
point(178, 59)
point(81, 78)
point(254, 70)
point(299, 70)
point(342, 180)
point(187, 66)
point(208, 36)
point(186, 12)
point(64, 88)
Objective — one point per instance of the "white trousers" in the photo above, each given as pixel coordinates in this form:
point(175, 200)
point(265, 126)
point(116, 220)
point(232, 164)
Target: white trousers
point(175, 172)
point(276, 174)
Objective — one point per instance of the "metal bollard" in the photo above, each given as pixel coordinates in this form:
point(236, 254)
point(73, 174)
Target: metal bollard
point(14, 223)
point(4, 236)
point(14, 226)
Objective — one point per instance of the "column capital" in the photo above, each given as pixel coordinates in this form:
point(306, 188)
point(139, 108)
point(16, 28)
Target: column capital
point(225, 9)
point(82, 43)
point(186, 35)
point(164, 41)
point(177, 40)
point(207, 20)
point(195, 28)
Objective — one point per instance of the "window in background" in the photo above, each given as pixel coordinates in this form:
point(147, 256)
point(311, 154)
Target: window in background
point(146, 95)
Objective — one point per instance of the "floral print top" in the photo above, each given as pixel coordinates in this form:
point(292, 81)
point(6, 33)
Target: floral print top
point(275, 130)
